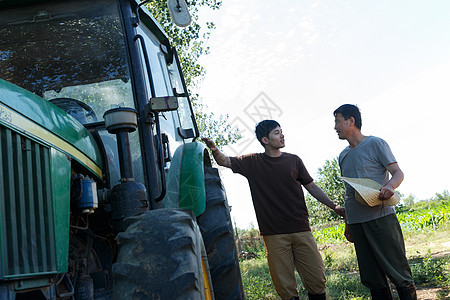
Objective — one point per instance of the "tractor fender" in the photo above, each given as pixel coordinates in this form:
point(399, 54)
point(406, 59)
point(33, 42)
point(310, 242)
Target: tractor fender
point(186, 178)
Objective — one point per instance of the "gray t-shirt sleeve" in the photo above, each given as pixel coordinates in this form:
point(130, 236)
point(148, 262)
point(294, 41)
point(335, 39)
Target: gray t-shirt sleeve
point(384, 153)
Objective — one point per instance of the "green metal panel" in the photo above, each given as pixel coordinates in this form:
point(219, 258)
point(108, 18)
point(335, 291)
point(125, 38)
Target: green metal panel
point(49, 124)
point(60, 173)
point(186, 179)
point(26, 208)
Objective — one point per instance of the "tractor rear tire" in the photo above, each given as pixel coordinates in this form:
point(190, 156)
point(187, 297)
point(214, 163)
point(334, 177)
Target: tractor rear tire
point(217, 230)
point(160, 257)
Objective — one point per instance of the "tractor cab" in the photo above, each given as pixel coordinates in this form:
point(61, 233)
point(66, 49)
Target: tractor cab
point(88, 57)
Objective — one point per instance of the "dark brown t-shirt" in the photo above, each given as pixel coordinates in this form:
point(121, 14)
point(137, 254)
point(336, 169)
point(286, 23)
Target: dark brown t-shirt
point(276, 188)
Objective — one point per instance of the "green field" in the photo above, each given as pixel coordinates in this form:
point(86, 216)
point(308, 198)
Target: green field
point(426, 228)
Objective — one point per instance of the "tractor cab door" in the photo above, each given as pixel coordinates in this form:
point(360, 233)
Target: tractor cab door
point(163, 78)
point(188, 129)
point(167, 106)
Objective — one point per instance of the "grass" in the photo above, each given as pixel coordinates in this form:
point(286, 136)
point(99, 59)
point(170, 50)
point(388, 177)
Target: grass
point(256, 279)
point(419, 242)
point(339, 257)
point(346, 286)
point(427, 247)
point(342, 270)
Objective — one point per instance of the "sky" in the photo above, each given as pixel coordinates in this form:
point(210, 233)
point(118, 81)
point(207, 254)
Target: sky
point(297, 61)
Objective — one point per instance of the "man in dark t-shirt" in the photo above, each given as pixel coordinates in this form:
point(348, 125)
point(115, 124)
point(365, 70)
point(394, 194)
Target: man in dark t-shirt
point(276, 181)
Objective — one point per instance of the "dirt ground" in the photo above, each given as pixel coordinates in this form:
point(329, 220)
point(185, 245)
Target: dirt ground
point(429, 294)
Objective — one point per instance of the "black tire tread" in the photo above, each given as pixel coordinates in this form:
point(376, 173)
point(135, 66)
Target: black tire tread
point(218, 236)
point(159, 257)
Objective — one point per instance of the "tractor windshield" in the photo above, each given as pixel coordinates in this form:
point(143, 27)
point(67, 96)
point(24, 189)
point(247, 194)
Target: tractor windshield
point(67, 49)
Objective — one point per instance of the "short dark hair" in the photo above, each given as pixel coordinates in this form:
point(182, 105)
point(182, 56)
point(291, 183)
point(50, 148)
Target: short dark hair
point(263, 129)
point(350, 110)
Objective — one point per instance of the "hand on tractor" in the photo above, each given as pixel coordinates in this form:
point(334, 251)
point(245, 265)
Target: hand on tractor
point(210, 144)
point(220, 158)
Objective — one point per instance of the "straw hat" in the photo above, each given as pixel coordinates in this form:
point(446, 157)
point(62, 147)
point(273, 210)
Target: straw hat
point(367, 192)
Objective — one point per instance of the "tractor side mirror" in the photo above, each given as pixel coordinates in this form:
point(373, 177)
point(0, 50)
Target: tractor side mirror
point(179, 12)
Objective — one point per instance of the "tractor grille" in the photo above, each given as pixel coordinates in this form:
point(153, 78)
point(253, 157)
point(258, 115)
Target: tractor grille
point(27, 230)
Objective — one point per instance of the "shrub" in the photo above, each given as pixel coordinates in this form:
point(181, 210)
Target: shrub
point(330, 235)
point(433, 216)
point(431, 271)
point(340, 258)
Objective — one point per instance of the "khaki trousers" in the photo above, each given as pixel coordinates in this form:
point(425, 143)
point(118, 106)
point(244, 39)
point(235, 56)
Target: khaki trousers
point(295, 250)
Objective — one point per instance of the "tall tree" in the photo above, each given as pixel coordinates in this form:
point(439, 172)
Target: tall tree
point(329, 181)
point(191, 45)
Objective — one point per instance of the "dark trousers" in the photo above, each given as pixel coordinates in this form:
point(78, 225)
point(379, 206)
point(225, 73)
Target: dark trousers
point(380, 250)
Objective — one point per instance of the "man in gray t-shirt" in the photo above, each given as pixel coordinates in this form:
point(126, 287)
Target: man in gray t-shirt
point(375, 230)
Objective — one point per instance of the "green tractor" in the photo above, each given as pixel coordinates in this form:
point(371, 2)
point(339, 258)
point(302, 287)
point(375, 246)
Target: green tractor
point(104, 191)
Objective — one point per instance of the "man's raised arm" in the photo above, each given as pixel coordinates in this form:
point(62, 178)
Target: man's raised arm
point(220, 158)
